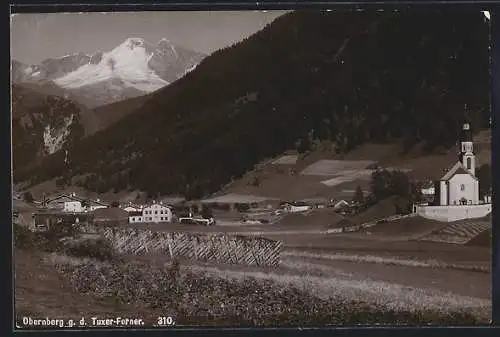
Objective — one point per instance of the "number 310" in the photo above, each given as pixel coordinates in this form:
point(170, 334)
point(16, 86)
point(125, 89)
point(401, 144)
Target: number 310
point(162, 320)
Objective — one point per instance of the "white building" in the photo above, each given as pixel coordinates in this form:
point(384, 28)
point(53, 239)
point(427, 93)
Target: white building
point(428, 191)
point(457, 192)
point(296, 207)
point(153, 213)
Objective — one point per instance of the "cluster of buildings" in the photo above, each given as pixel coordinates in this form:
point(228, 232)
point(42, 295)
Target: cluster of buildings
point(74, 209)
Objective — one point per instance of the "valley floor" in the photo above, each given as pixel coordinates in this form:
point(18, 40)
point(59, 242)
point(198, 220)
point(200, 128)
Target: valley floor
point(396, 273)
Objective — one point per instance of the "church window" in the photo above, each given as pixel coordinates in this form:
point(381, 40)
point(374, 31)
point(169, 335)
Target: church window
point(469, 163)
point(462, 187)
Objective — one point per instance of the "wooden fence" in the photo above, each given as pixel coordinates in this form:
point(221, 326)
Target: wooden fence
point(216, 247)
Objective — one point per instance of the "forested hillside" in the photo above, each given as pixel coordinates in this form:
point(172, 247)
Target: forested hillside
point(347, 77)
point(41, 125)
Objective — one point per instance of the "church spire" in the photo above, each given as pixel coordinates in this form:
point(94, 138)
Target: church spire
point(466, 132)
point(466, 156)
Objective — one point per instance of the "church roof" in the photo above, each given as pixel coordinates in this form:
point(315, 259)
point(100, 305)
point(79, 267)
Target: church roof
point(458, 168)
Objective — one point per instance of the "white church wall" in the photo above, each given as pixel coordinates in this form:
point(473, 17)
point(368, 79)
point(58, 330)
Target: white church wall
point(443, 195)
point(452, 212)
point(476, 192)
point(462, 186)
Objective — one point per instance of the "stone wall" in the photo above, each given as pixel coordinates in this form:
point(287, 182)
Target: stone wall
point(453, 212)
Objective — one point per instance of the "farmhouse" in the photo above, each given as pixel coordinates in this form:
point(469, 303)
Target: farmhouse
point(153, 213)
point(296, 207)
point(72, 203)
point(456, 194)
point(341, 205)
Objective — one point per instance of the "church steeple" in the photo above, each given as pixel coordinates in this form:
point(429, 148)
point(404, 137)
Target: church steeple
point(466, 156)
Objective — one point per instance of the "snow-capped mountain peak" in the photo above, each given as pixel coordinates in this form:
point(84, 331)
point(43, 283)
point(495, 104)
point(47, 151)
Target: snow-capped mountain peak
point(134, 67)
point(128, 63)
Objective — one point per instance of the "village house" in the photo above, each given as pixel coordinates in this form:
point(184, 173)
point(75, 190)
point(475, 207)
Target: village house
point(72, 203)
point(456, 194)
point(428, 190)
point(341, 205)
point(154, 213)
point(296, 206)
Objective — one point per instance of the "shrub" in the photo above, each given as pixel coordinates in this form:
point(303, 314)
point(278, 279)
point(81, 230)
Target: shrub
point(23, 237)
point(99, 249)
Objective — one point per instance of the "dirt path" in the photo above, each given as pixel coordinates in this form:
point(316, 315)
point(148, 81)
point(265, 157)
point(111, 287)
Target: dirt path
point(40, 292)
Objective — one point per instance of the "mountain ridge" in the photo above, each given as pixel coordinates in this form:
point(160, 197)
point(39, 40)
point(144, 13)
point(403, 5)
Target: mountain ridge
point(133, 68)
point(340, 78)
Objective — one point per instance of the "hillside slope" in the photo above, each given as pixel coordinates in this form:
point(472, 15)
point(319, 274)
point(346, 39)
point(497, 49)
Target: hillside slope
point(346, 77)
point(41, 125)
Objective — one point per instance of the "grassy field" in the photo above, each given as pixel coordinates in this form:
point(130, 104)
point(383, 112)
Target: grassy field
point(199, 294)
point(323, 279)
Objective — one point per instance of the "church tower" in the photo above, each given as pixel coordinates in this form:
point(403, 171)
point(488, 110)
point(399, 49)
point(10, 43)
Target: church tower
point(467, 157)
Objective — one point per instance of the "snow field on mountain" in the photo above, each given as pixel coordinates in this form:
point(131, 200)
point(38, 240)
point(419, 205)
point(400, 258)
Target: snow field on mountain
point(127, 62)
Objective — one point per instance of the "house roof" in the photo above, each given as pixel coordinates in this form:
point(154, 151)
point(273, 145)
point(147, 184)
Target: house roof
point(297, 203)
point(131, 205)
point(458, 168)
point(158, 204)
point(75, 198)
point(60, 196)
point(317, 200)
point(172, 200)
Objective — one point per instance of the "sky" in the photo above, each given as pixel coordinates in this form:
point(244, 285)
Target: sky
point(35, 37)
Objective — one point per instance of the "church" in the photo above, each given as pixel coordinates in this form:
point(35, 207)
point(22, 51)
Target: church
point(460, 186)
point(456, 194)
